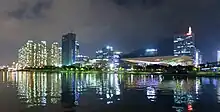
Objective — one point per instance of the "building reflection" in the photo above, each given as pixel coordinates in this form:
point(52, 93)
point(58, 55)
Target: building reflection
point(42, 89)
point(109, 88)
point(140, 81)
point(149, 83)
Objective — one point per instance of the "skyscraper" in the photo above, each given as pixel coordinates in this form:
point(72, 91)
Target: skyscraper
point(184, 44)
point(68, 49)
point(41, 54)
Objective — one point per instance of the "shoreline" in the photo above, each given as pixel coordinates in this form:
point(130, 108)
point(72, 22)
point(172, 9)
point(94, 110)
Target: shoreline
point(195, 74)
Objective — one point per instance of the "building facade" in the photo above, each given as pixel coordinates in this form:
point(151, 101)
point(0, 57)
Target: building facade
point(68, 49)
point(184, 44)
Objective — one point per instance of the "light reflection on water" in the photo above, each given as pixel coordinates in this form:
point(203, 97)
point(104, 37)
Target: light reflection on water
point(75, 90)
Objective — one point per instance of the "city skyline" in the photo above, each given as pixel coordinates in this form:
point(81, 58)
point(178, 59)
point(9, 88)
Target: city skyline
point(55, 59)
point(109, 55)
point(126, 25)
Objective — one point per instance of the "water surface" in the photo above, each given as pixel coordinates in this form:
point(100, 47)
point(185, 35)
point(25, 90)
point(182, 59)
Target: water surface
point(79, 92)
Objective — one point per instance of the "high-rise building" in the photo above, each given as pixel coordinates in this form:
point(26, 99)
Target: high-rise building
point(218, 56)
point(54, 55)
point(32, 54)
point(60, 56)
point(41, 54)
point(26, 55)
point(55, 59)
point(184, 44)
point(68, 49)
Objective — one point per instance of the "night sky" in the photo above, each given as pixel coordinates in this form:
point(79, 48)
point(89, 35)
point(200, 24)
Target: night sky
point(127, 25)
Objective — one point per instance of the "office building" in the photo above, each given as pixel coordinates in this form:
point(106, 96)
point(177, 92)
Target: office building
point(184, 44)
point(68, 49)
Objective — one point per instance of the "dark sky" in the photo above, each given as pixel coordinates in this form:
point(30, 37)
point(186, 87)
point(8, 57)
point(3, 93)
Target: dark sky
point(125, 24)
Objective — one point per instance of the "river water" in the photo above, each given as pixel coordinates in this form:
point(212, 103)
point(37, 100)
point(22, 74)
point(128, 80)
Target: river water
point(79, 92)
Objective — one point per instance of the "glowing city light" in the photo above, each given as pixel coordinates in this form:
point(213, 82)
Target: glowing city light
point(190, 31)
point(197, 58)
point(111, 66)
point(109, 47)
point(151, 50)
point(190, 107)
point(218, 55)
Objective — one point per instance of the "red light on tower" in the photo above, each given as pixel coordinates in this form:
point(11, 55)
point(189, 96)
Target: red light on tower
point(190, 108)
